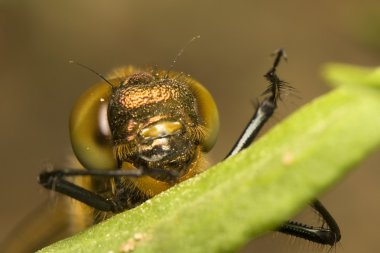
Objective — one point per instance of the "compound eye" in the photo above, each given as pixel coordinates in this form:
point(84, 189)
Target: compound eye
point(161, 129)
point(208, 112)
point(89, 129)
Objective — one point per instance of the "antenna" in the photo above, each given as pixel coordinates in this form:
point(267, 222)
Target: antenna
point(180, 53)
point(93, 71)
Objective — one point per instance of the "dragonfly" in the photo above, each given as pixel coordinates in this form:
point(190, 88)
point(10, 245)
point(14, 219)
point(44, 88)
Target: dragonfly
point(143, 130)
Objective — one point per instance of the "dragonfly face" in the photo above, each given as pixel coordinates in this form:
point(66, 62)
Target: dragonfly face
point(155, 123)
point(148, 119)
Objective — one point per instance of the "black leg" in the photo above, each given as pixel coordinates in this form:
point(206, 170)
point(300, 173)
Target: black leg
point(265, 109)
point(329, 235)
point(56, 180)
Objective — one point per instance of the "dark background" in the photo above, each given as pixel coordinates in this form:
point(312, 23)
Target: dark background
point(38, 86)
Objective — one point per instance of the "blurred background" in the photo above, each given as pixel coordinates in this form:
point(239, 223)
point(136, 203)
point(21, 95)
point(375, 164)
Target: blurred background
point(38, 87)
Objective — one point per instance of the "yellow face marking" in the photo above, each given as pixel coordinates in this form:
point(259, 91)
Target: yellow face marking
point(161, 129)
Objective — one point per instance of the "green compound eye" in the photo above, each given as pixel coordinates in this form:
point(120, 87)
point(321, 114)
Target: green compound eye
point(89, 129)
point(208, 112)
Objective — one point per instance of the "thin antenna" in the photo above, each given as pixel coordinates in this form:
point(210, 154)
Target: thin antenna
point(180, 53)
point(93, 71)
